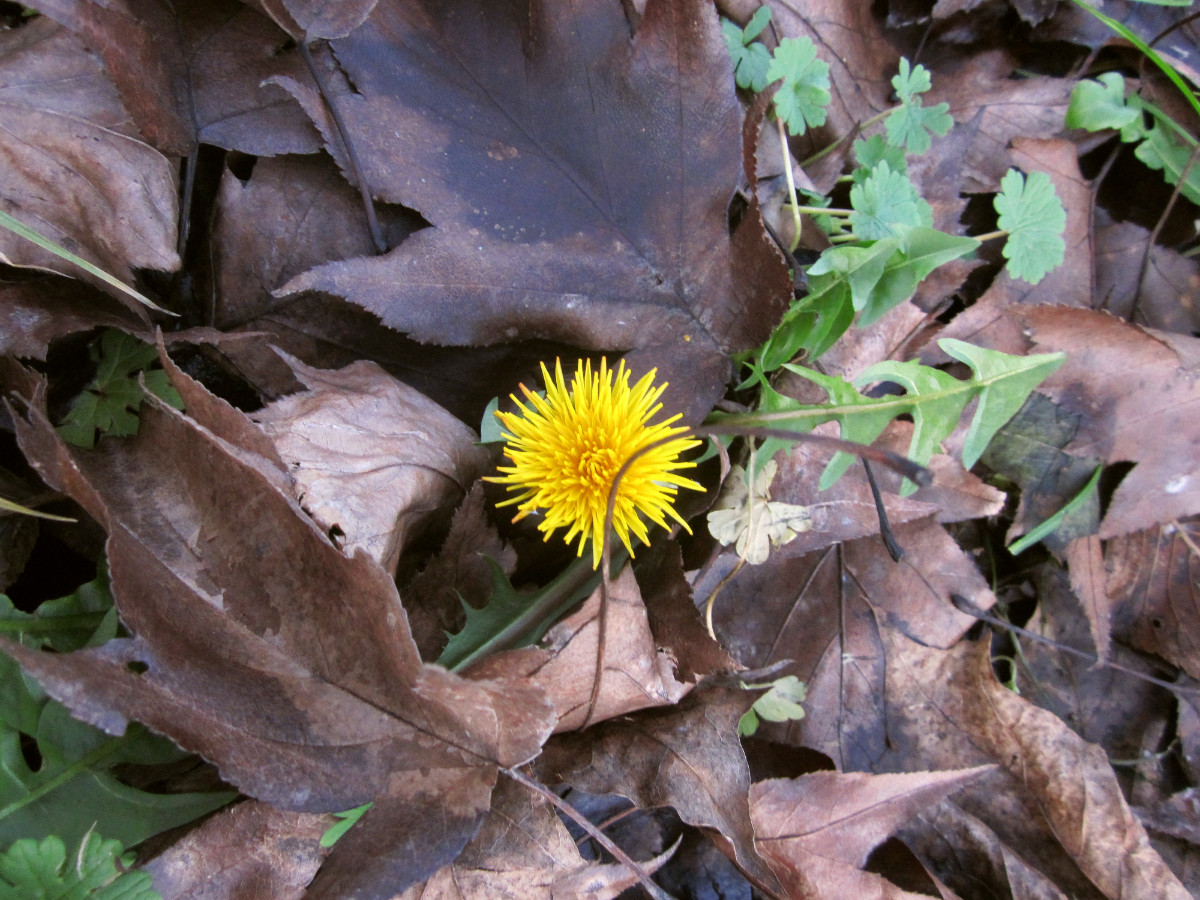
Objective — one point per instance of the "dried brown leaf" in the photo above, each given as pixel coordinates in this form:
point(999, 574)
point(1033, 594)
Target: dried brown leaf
point(578, 182)
point(77, 170)
point(1085, 561)
point(688, 757)
point(1152, 582)
point(249, 850)
point(267, 650)
point(818, 830)
point(636, 673)
point(373, 459)
point(522, 850)
point(195, 71)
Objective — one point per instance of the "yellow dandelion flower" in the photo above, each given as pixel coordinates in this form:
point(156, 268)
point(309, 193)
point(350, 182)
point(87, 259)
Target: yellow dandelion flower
point(567, 447)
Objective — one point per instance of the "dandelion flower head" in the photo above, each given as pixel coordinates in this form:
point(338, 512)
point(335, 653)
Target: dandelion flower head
point(567, 447)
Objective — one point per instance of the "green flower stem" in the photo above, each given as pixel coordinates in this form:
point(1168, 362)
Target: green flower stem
point(101, 753)
point(825, 211)
point(577, 581)
point(825, 151)
point(797, 222)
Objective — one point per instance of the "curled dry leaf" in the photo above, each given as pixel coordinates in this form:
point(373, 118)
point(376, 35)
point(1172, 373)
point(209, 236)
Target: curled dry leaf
point(523, 850)
point(264, 648)
point(373, 459)
point(636, 673)
point(818, 830)
point(251, 849)
point(193, 72)
point(688, 757)
point(77, 170)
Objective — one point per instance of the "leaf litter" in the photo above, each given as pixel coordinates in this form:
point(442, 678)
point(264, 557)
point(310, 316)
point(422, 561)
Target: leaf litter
point(584, 180)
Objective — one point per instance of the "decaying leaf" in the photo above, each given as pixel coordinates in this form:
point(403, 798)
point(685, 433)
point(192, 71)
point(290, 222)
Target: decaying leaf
point(751, 521)
point(78, 172)
point(818, 830)
point(373, 459)
point(688, 757)
point(636, 674)
point(496, 113)
point(250, 849)
point(266, 649)
point(523, 850)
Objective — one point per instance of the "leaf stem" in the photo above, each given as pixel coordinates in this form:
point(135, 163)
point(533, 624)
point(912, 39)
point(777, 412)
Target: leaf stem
point(797, 222)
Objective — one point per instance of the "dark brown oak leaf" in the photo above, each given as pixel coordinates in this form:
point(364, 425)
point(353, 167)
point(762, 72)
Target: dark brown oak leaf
point(76, 169)
point(260, 645)
point(195, 71)
point(579, 181)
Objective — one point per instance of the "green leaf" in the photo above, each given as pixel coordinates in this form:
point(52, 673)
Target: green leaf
point(1100, 103)
point(885, 204)
point(751, 59)
point(1034, 218)
point(110, 402)
point(934, 399)
point(871, 152)
point(513, 618)
point(1089, 495)
point(781, 703)
point(346, 821)
point(911, 123)
point(868, 280)
point(72, 789)
point(1005, 383)
point(802, 97)
point(1169, 149)
point(30, 870)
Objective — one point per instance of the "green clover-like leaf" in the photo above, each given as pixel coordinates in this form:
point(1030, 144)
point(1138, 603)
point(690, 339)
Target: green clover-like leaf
point(750, 57)
point(1034, 218)
point(885, 204)
point(910, 125)
point(802, 97)
point(1100, 103)
point(874, 150)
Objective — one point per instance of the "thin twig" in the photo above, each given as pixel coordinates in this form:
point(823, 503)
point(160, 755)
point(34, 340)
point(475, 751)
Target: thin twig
point(351, 155)
point(895, 551)
point(966, 606)
point(1134, 309)
point(599, 836)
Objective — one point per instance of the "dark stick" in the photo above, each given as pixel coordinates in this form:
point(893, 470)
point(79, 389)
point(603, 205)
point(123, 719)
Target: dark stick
point(343, 133)
point(895, 551)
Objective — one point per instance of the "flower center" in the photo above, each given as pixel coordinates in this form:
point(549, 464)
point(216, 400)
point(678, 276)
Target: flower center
point(596, 467)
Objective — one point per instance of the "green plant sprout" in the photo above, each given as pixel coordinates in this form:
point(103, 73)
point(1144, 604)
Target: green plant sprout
point(781, 703)
point(33, 870)
point(1164, 145)
point(109, 404)
point(17, 227)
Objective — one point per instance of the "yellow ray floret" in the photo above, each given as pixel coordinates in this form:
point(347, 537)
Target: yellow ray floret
point(567, 447)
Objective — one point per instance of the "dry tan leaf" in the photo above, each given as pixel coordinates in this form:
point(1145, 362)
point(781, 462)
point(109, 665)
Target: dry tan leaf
point(373, 459)
point(636, 674)
point(1152, 584)
point(818, 830)
point(249, 850)
point(523, 850)
point(750, 520)
point(76, 169)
